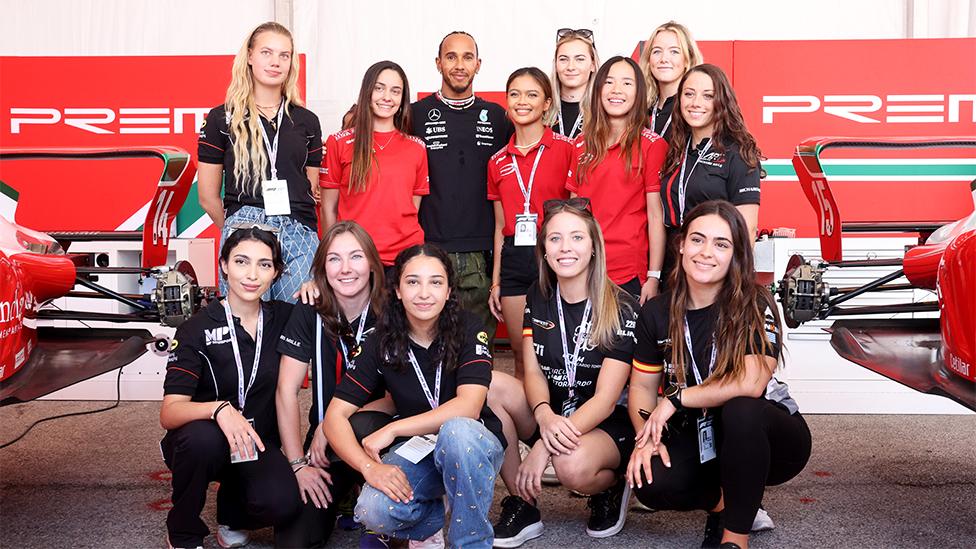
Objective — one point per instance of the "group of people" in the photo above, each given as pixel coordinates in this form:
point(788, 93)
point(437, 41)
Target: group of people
point(609, 211)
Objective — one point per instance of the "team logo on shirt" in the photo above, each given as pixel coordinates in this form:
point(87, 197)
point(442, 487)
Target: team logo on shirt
point(714, 159)
point(434, 115)
point(544, 324)
point(482, 350)
point(173, 345)
point(216, 336)
point(202, 126)
point(483, 116)
point(483, 337)
point(506, 169)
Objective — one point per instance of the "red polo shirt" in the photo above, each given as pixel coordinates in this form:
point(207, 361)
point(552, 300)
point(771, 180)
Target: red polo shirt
point(557, 152)
point(385, 209)
point(618, 198)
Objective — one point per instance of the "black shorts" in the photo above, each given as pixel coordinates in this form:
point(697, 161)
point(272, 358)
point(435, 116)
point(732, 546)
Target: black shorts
point(632, 287)
point(519, 268)
point(618, 427)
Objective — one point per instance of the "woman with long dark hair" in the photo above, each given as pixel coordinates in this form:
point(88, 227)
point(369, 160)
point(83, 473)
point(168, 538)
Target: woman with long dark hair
point(218, 404)
point(521, 178)
point(711, 154)
point(578, 342)
point(264, 148)
point(348, 276)
point(435, 362)
point(732, 427)
point(617, 168)
point(668, 54)
point(375, 172)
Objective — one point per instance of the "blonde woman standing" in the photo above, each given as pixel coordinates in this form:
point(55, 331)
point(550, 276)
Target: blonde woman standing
point(668, 54)
point(573, 67)
point(264, 148)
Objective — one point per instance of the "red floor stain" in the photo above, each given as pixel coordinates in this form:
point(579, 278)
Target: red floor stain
point(164, 476)
point(823, 473)
point(808, 500)
point(160, 505)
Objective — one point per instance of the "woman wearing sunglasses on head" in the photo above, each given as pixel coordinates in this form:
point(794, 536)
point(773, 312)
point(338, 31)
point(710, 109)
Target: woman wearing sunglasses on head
point(375, 172)
point(618, 168)
point(573, 66)
point(434, 360)
point(264, 148)
point(668, 54)
point(218, 404)
point(348, 276)
point(578, 340)
point(521, 177)
point(732, 428)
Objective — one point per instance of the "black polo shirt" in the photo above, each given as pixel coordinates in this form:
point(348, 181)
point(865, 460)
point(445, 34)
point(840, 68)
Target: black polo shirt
point(299, 147)
point(457, 214)
point(569, 112)
point(201, 363)
point(719, 175)
point(659, 124)
point(298, 341)
point(541, 323)
point(372, 371)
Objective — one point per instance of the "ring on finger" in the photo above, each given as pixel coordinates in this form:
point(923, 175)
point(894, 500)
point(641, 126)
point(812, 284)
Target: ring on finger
point(556, 435)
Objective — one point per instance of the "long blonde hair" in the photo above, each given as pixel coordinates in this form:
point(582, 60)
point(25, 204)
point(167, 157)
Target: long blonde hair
point(557, 86)
point(250, 158)
point(603, 293)
point(689, 50)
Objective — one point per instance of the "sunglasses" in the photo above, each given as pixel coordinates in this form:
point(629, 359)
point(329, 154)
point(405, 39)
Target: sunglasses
point(582, 33)
point(578, 203)
point(259, 226)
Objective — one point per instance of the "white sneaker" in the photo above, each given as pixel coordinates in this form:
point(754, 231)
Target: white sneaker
point(762, 522)
point(433, 542)
point(228, 538)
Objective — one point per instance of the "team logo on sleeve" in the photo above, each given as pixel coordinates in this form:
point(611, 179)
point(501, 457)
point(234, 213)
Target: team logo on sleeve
point(483, 337)
point(544, 324)
point(202, 127)
point(173, 344)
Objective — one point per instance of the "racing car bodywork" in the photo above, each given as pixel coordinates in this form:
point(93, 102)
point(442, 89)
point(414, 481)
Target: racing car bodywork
point(37, 267)
point(932, 355)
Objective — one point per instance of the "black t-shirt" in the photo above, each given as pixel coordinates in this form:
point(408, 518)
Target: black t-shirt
point(653, 348)
point(298, 341)
point(372, 371)
point(457, 214)
point(570, 111)
point(201, 363)
point(299, 147)
point(541, 323)
point(661, 123)
point(719, 175)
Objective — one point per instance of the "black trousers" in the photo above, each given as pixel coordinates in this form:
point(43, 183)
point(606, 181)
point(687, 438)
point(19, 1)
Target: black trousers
point(254, 494)
point(313, 527)
point(760, 444)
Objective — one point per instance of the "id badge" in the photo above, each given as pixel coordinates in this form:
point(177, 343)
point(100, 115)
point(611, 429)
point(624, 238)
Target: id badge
point(238, 457)
point(275, 192)
point(417, 448)
point(569, 406)
point(525, 229)
point(706, 439)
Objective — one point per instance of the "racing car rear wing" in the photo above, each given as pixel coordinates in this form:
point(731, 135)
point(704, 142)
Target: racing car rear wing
point(806, 163)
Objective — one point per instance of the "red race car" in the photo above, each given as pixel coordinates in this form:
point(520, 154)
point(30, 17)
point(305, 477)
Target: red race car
point(932, 355)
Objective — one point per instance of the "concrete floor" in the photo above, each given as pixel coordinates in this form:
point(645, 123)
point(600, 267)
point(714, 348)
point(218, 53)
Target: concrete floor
point(873, 481)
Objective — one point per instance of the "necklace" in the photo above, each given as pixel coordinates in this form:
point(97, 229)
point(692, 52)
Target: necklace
point(272, 118)
point(388, 141)
point(530, 145)
point(456, 104)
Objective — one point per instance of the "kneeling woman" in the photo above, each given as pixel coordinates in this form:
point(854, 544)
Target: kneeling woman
point(218, 404)
point(435, 363)
point(732, 427)
point(578, 330)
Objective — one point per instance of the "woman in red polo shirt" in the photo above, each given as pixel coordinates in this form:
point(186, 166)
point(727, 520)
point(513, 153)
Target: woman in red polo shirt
point(521, 177)
point(618, 164)
point(377, 180)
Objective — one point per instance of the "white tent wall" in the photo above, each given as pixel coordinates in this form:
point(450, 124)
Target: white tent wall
point(341, 39)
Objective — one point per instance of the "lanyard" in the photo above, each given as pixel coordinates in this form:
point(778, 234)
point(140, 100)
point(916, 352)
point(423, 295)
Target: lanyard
point(654, 120)
point(577, 124)
point(359, 333)
point(432, 399)
point(682, 182)
point(572, 361)
point(273, 148)
point(259, 335)
point(527, 193)
point(691, 353)
point(319, 370)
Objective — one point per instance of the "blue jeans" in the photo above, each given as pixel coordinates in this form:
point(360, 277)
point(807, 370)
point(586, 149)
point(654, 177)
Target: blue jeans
point(463, 466)
point(298, 244)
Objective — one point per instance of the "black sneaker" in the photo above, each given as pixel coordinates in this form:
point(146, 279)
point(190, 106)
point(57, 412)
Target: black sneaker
point(519, 522)
point(730, 545)
point(713, 531)
point(608, 511)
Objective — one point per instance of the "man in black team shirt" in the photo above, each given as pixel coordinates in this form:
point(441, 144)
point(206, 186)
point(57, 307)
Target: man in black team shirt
point(461, 132)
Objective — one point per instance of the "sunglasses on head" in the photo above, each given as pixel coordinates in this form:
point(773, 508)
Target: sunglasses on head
point(260, 226)
point(582, 33)
point(577, 203)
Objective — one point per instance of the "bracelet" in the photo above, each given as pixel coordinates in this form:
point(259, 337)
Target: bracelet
point(224, 404)
point(536, 407)
point(299, 461)
point(493, 286)
point(298, 469)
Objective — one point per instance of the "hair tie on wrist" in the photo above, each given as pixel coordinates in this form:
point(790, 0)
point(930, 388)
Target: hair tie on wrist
point(536, 407)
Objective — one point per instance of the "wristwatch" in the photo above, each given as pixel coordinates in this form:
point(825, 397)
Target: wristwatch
point(654, 274)
point(673, 393)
